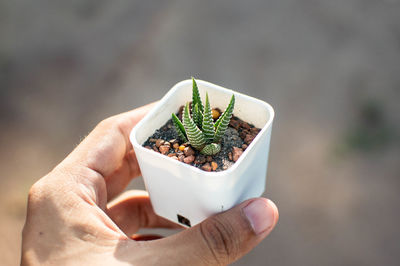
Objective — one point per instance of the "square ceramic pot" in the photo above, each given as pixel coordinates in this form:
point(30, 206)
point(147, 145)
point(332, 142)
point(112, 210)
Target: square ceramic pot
point(185, 194)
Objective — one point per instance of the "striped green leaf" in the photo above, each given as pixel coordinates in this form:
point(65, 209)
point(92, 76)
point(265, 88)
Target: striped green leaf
point(223, 121)
point(194, 134)
point(208, 123)
point(196, 97)
point(197, 116)
point(211, 149)
point(179, 128)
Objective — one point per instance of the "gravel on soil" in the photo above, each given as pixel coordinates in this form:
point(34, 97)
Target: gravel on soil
point(234, 141)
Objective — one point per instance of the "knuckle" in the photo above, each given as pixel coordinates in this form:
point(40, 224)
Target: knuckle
point(115, 122)
point(37, 193)
point(107, 123)
point(220, 239)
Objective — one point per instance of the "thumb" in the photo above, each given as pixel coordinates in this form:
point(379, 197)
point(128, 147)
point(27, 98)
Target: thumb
point(223, 238)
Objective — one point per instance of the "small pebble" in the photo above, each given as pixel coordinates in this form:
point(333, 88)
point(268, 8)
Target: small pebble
point(181, 157)
point(206, 167)
point(172, 154)
point(152, 140)
point(200, 159)
point(215, 113)
point(188, 159)
point(188, 151)
point(236, 153)
point(167, 143)
point(230, 156)
point(164, 149)
point(173, 141)
point(244, 146)
point(155, 148)
point(249, 138)
point(175, 145)
point(234, 123)
point(254, 130)
point(244, 133)
point(244, 125)
point(159, 142)
point(226, 164)
point(214, 166)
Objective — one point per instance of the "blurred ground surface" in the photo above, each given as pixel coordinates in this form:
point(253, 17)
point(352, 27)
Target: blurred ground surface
point(329, 68)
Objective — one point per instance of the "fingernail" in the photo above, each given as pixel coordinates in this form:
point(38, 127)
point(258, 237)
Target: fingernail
point(260, 215)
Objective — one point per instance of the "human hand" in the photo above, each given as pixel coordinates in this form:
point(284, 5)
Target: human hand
point(77, 216)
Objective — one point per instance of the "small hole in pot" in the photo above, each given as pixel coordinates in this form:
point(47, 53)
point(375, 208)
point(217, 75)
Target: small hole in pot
point(183, 220)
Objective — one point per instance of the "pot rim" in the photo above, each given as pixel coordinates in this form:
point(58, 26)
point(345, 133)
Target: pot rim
point(165, 99)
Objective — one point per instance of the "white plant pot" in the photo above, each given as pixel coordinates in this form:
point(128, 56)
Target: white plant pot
point(185, 194)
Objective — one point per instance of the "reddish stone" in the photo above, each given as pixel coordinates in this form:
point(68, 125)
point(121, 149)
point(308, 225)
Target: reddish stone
point(164, 149)
point(244, 125)
point(254, 130)
point(249, 138)
point(244, 146)
point(188, 159)
point(236, 152)
point(206, 167)
point(159, 142)
point(243, 133)
point(188, 151)
point(171, 154)
point(234, 123)
point(167, 143)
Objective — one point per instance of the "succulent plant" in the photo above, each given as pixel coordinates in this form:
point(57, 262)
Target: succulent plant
point(199, 129)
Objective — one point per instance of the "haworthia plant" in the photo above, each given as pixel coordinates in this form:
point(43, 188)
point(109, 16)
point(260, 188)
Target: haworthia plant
point(199, 129)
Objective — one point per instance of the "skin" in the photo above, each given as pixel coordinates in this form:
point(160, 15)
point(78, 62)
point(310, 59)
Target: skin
point(78, 215)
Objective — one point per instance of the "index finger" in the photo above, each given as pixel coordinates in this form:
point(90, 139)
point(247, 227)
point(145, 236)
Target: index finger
point(108, 151)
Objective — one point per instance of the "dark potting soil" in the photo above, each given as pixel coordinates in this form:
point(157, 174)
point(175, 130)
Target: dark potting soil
point(237, 137)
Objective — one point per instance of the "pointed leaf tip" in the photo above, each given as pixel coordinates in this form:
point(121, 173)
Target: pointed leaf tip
point(208, 123)
point(180, 129)
point(222, 123)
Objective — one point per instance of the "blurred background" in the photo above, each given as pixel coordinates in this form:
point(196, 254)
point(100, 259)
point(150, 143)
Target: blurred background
point(331, 70)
